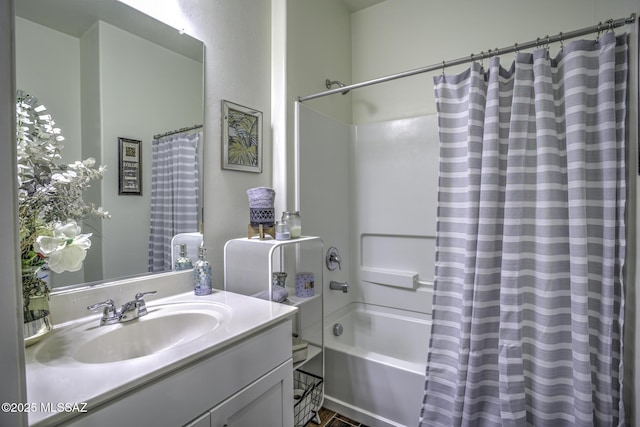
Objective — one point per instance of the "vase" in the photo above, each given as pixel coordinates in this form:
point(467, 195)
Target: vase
point(37, 314)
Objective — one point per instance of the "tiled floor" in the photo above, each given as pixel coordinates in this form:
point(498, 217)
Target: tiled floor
point(332, 419)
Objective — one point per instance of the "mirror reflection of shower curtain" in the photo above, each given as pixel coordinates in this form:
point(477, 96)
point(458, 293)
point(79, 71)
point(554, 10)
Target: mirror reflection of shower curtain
point(175, 194)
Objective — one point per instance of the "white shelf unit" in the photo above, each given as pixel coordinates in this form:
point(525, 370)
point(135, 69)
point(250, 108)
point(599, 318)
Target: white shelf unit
point(248, 268)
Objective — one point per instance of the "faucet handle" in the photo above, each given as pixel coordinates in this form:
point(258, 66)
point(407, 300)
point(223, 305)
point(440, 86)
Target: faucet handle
point(333, 259)
point(109, 312)
point(142, 305)
point(141, 295)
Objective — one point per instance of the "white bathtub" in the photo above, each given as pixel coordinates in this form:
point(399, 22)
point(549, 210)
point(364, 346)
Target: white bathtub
point(375, 369)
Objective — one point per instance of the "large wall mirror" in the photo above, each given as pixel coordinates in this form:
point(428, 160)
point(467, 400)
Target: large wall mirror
point(106, 71)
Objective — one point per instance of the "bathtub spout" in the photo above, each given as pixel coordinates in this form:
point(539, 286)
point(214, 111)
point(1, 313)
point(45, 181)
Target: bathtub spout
point(339, 286)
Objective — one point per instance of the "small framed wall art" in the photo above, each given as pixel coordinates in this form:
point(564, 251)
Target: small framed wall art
point(130, 166)
point(241, 138)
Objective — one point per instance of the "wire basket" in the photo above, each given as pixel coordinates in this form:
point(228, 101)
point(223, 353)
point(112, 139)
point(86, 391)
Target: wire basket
point(307, 396)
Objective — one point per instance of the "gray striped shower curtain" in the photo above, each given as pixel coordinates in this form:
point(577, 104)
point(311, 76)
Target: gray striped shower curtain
point(174, 194)
point(529, 301)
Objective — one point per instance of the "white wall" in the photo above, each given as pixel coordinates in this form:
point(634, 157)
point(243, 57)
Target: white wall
point(92, 146)
point(48, 67)
point(400, 35)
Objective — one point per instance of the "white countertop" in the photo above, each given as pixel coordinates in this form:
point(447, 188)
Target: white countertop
point(62, 383)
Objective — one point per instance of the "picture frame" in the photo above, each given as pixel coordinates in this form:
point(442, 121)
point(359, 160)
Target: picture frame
point(130, 166)
point(241, 138)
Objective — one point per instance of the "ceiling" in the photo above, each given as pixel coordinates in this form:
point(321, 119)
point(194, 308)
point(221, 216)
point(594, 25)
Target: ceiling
point(356, 5)
point(75, 17)
point(55, 14)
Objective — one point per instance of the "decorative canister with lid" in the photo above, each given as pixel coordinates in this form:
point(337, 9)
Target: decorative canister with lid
point(304, 285)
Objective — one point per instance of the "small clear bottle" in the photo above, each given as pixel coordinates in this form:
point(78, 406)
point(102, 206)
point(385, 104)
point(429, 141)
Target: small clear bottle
point(183, 262)
point(282, 231)
point(295, 223)
point(202, 274)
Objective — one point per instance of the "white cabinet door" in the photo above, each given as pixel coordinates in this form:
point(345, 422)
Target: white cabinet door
point(266, 402)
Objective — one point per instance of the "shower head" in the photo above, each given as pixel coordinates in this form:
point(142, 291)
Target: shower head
point(329, 83)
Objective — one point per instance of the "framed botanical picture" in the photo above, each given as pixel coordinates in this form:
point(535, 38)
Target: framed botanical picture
point(130, 166)
point(241, 138)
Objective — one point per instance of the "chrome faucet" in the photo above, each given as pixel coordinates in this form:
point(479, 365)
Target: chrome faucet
point(339, 286)
point(109, 313)
point(129, 311)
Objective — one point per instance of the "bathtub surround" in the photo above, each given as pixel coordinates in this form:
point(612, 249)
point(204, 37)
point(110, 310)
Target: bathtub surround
point(528, 299)
point(374, 247)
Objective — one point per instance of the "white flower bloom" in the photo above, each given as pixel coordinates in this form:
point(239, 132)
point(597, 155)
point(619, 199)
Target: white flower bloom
point(66, 249)
point(59, 177)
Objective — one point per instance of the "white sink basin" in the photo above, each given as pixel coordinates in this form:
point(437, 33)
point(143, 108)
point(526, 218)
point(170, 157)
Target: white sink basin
point(165, 327)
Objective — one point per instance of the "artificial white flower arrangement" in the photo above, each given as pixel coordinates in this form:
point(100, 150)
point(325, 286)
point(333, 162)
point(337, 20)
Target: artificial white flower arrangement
point(49, 199)
point(66, 249)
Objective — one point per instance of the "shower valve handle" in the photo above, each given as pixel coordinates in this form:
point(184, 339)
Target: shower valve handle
point(333, 259)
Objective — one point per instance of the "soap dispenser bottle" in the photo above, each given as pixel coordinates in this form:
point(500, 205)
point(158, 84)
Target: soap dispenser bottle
point(202, 274)
point(183, 262)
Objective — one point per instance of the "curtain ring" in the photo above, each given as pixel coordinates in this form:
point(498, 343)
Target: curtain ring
point(443, 67)
point(599, 32)
point(610, 21)
point(546, 45)
point(561, 40)
point(516, 49)
point(482, 58)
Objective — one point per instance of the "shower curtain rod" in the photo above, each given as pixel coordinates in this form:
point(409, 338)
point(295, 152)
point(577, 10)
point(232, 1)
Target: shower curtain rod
point(173, 132)
point(540, 41)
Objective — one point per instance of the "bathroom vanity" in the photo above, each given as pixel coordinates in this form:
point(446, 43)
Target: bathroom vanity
point(219, 360)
